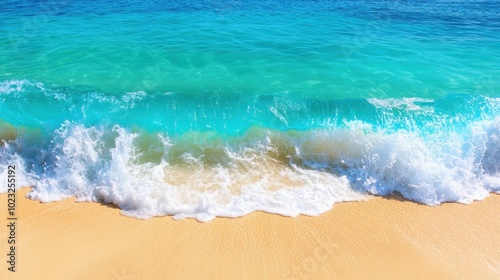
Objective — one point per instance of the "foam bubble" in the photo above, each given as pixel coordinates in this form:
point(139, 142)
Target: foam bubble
point(197, 187)
point(199, 175)
point(407, 103)
point(7, 87)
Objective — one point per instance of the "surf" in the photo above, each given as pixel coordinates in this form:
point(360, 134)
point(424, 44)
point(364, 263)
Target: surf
point(169, 154)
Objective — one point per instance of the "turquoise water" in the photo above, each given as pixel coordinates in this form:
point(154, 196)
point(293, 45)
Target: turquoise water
point(353, 49)
point(220, 108)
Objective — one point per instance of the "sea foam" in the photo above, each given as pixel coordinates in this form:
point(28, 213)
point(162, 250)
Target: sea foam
point(288, 173)
point(228, 155)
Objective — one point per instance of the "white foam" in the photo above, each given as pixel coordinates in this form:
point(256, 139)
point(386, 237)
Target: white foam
point(10, 86)
point(277, 172)
point(142, 190)
point(402, 162)
point(406, 103)
point(9, 157)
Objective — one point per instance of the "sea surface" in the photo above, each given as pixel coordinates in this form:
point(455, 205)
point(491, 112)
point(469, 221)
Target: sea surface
point(206, 108)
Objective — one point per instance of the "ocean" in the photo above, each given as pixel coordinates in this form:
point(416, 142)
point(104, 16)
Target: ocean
point(212, 108)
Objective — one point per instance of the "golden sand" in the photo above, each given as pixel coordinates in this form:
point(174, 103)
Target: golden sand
point(378, 239)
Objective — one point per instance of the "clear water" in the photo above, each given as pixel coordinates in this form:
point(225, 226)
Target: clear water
point(220, 108)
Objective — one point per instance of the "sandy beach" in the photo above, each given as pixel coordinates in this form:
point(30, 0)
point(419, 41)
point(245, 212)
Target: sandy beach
point(377, 239)
point(217, 113)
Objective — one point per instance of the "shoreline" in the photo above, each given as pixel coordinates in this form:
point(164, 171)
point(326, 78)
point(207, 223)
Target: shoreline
point(383, 237)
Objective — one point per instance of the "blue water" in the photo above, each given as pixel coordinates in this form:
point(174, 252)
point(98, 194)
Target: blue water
point(220, 108)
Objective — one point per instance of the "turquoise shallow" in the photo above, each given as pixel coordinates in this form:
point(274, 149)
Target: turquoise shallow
point(220, 108)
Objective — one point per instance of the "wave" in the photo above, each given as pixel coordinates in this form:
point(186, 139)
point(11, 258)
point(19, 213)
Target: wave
point(28, 103)
point(280, 154)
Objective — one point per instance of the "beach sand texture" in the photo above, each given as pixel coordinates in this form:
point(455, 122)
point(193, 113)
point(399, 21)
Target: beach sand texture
point(378, 239)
